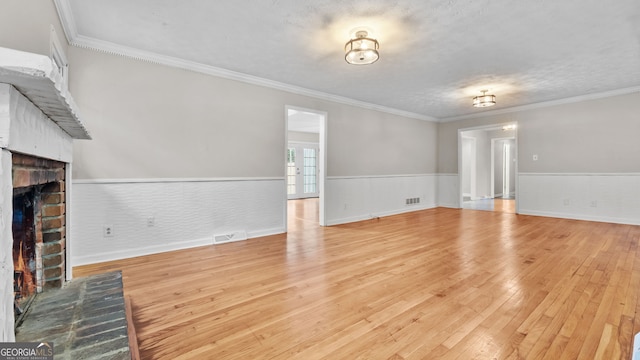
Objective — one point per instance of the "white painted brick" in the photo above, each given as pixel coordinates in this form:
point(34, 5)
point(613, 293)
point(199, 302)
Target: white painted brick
point(31, 132)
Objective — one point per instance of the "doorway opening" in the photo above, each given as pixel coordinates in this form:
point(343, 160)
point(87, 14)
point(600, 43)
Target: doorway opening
point(302, 170)
point(488, 168)
point(305, 165)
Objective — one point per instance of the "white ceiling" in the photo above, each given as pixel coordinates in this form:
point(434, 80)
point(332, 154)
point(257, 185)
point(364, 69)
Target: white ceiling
point(435, 55)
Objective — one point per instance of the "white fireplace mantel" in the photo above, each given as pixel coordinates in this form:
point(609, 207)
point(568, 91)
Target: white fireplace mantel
point(38, 117)
point(38, 78)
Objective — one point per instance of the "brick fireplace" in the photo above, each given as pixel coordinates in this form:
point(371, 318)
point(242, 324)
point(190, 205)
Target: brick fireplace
point(38, 123)
point(38, 225)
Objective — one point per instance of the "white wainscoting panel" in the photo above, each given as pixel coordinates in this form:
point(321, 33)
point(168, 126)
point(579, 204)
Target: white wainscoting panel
point(596, 197)
point(359, 198)
point(151, 216)
point(448, 190)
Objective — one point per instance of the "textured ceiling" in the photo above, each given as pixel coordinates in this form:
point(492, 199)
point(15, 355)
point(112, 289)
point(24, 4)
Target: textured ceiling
point(435, 55)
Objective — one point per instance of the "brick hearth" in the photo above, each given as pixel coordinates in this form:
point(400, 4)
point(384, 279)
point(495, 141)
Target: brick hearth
point(86, 319)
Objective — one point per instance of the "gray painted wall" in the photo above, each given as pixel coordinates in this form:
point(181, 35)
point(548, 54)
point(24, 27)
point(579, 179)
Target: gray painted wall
point(598, 136)
point(483, 162)
point(593, 136)
point(153, 121)
point(25, 25)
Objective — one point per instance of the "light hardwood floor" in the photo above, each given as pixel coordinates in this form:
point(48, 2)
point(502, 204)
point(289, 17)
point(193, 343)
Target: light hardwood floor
point(434, 284)
point(497, 204)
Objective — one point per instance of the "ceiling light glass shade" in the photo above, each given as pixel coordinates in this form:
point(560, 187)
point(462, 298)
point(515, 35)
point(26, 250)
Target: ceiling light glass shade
point(361, 50)
point(484, 100)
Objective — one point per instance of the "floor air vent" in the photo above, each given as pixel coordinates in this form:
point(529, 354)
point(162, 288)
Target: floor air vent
point(412, 201)
point(230, 237)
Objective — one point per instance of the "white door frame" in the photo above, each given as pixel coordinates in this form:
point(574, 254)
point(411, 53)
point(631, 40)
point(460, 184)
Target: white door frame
point(473, 188)
point(488, 127)
point(493, 145)
point(322, 160)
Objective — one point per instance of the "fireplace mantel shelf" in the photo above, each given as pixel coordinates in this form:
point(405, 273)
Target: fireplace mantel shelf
point(37, 77)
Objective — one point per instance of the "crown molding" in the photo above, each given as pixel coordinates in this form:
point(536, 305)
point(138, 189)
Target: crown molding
point(545, 104)
point(141, 55)
point(66, 19)
point(68, 24)
point(74, 39)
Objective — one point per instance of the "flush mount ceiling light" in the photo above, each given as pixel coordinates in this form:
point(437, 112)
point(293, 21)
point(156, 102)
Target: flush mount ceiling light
point(484, 100)
point(361, 50)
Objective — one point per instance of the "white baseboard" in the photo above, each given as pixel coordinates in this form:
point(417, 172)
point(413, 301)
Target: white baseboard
point(449, 205)
point(602, 197)
point(148, 250)
point(408, 209)
point(266, 232)
point(351, 199)
point(156, 249)
point(583, 217)
point(636, 347)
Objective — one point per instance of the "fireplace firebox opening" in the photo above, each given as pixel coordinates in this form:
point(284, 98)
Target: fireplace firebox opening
point(38, 228)
point(24, 247)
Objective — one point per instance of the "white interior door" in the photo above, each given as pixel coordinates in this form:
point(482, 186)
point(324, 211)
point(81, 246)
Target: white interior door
point(302, 171)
